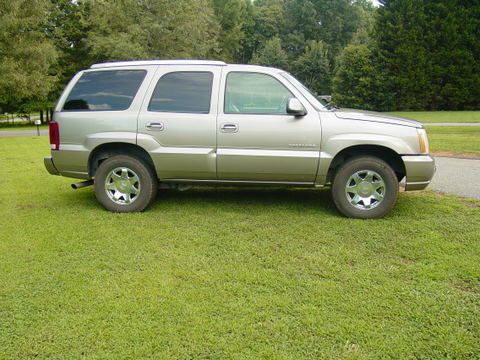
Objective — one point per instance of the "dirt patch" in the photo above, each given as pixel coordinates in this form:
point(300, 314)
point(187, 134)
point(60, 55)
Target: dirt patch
point(469, 203)
point(465, 201)
point(466, 286)
point(463, 155)
point(407, 261)
point(31, 206)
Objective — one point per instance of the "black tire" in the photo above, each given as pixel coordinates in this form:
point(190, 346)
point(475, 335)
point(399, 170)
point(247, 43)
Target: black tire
point(358, 164)
point(147, 183)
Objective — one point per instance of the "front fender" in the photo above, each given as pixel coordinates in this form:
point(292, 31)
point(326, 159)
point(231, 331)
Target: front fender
point(337, 143)
point(332, 146)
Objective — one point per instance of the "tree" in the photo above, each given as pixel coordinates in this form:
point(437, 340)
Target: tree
point(180, 29)
point(430, 52)
point(363, 34)
point(338, 21)
point(357, 83)
point(334, 22)
point(232, 16)
point(272, 54)
point(302, 18)
point(66, 27)
point(454, 52)
point(26, 56)
point(400, 32)
point(116, 31)
point(128, 29)
point(313, 67)
point(269, 20)
point(247, 48)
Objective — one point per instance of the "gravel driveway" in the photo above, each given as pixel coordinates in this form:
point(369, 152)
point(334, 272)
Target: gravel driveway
point(457, 176)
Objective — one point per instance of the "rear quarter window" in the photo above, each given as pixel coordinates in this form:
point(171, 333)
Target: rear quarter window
point(112, 90)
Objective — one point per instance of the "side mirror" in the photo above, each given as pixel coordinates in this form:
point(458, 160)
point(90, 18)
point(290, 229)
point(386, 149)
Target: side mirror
point(295, 107)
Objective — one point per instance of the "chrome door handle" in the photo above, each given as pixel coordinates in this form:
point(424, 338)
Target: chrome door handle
point(229, 127)
point(158, 126)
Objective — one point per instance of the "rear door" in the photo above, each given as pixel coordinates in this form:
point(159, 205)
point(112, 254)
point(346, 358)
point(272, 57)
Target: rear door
point(256, 139)
point(177, 121)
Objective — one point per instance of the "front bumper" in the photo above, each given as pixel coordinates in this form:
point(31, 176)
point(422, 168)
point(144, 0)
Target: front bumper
point(420, 170)
point(50, 166)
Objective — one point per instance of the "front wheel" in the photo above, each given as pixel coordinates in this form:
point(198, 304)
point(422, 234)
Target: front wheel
point(365, 188)
point(125, 183)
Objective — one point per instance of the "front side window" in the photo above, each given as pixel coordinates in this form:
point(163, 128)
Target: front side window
point(309, 94)
point(255, 93)
point(183, 92)
point(112, 90)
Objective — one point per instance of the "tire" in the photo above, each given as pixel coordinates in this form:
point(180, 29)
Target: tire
point(357, 189)
point(125, 183)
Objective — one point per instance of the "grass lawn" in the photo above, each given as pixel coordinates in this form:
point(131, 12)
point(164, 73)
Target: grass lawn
point(231, 273)
point(441, 116)
point(454, 139)
point(22, 127)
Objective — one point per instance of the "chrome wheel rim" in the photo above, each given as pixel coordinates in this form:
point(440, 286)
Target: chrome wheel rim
point(122, 185)
point(365, 189)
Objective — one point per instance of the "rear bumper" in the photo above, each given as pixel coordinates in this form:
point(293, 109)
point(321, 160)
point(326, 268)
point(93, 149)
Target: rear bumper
point(50, 166)
point(420, 170)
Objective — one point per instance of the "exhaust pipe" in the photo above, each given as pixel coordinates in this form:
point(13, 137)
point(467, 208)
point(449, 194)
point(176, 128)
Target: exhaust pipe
point(82, 184)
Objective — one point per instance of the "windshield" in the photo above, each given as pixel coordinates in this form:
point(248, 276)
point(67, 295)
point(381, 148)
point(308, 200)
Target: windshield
point(305, 91)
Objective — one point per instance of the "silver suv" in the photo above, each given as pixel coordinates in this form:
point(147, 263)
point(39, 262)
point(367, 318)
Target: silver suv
point(128, 127)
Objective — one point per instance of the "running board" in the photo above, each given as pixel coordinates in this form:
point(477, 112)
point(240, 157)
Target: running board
point(243, 182)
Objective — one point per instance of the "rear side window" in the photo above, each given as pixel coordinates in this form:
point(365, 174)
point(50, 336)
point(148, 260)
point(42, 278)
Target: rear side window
point(104, 90)
point(183, 92)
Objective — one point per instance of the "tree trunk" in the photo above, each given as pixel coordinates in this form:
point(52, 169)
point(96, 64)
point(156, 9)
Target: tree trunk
point(48, 117)
point(51, 114)
point(41, 116)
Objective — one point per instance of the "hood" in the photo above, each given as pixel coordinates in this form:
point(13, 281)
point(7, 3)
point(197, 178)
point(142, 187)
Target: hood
point(375, 117)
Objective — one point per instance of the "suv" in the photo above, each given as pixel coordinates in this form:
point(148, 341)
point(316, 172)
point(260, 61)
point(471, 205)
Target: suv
point(128, 127)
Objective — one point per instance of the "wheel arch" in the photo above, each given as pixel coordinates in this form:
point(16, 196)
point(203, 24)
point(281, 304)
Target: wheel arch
point(106, 150)
point(391, 157)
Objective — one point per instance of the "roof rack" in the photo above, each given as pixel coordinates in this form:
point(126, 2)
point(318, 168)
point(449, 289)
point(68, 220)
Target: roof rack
point(157, 62)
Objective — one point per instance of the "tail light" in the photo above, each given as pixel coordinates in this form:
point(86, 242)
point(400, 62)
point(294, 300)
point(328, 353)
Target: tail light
point(54, 135)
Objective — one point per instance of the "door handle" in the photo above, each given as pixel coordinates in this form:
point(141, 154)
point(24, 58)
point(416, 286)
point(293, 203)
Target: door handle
point(229, 127)
point(158, 126)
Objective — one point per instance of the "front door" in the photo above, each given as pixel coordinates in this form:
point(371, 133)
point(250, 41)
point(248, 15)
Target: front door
point(177, 122)
point(256, 139)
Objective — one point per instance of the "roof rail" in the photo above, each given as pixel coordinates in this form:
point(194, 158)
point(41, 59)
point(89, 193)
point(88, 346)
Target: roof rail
point(157, 62)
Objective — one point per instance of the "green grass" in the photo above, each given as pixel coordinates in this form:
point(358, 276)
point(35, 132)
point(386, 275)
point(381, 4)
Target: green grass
point(230, 273)
point(22, 127)
point(441, 116)
point(455, 139)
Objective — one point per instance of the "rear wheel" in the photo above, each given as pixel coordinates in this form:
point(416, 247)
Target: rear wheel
point(365, 188)
point(125, 183)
